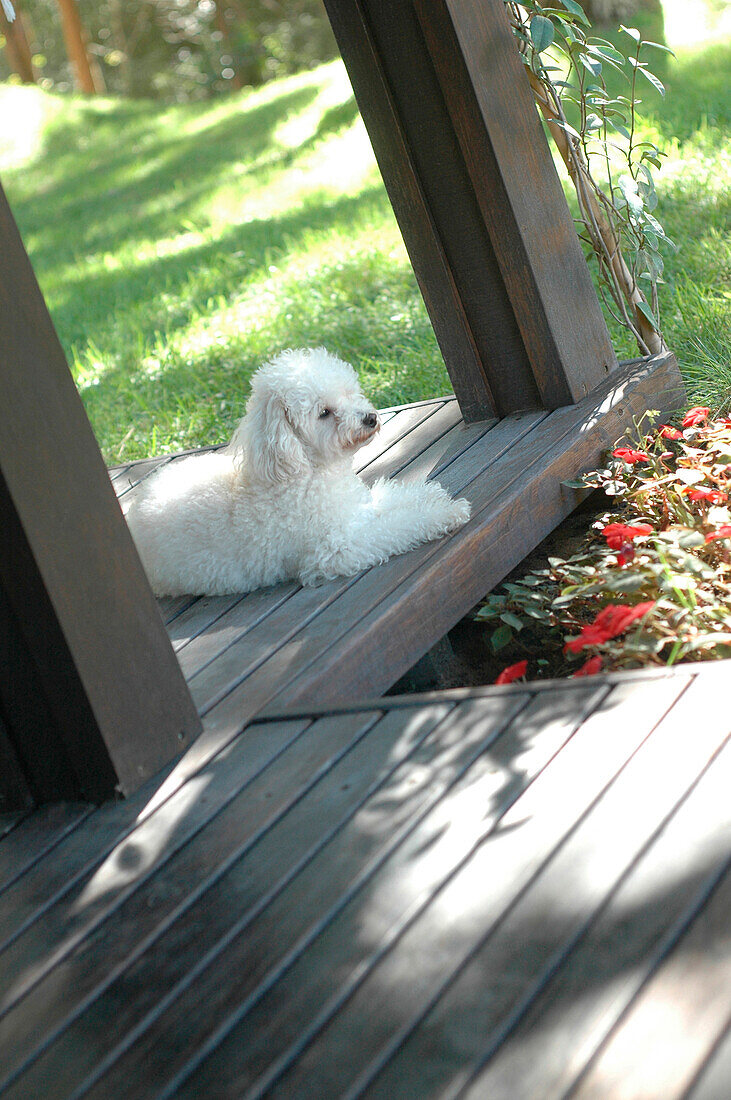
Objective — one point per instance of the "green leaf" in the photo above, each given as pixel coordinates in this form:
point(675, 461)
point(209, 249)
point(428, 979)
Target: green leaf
point(577, 10)
point(632, 32)
point(501, 637)
point(625, 582)
point(512, 620)
point(618, 127)
point(610, 52)
point(647, 312)
point(541, 32)
point(658, 46)
point(590, 63)
point(656, 83)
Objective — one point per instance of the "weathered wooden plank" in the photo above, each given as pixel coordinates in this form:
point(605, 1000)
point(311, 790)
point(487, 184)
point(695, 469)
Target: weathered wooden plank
point(514, 507)
point(85, 617)
point(537, 851)
point(287, 970)
point(390, 462)
point(559, 1031)
point(665, 1038)
point(37, 835)
point(171, 607)
point(257, 867)
point(185, 874)
point(84, 902)
point(516, 959)
point(395, 430)
point(451, 447)
point(712, 1081)
point(63, 861)
point(424, 770)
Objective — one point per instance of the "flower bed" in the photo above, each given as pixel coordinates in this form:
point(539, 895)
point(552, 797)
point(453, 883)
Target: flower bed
point(652, 585)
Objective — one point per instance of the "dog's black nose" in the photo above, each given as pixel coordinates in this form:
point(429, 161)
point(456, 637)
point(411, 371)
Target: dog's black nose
point(370, 420)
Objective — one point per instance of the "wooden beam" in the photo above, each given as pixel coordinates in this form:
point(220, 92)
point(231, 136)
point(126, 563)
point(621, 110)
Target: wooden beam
point(441, 89)
point(92, 695)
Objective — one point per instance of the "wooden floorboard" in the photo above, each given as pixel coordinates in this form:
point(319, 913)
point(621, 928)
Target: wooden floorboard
point(491, 892)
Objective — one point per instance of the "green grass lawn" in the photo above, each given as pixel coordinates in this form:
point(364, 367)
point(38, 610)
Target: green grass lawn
point(179, 246)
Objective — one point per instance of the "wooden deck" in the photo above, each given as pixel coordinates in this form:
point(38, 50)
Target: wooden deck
point(290, 646)
point(512, 893)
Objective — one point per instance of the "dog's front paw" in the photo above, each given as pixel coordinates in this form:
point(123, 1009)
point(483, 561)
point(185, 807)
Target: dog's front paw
point(460, 511)
point(441, 511)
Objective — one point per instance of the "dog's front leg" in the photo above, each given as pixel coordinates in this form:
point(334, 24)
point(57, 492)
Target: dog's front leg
point(396, 519)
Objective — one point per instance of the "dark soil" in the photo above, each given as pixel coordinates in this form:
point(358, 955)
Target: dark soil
point(464, 656)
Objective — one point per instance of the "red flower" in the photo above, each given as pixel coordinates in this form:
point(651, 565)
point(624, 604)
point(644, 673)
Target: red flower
point(612, 620)
point(630, 456)
point(713, 496)
point(512, 672)
point(590, 668)
point(695, 416)
point(666, 432)
point(723, 532)
point(626, 553)
point(618, 534)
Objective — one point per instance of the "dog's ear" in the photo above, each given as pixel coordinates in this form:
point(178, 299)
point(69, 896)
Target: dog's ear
point(265, 444)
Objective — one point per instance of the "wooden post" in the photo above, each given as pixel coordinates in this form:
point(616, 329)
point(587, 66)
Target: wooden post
point(441, 89)
point(92, 699)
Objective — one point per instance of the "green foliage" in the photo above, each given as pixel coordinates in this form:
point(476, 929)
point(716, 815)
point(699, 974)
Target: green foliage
point(665, 550)
point(591, 90)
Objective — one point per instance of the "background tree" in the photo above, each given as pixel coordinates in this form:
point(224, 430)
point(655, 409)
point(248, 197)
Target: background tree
point(88, 74)
point(180, 50)
point(17, 50)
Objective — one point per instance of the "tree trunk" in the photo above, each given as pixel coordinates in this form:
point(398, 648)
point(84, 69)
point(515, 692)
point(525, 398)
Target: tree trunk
point(87, 72)
point(17, 49)
point(223, 24)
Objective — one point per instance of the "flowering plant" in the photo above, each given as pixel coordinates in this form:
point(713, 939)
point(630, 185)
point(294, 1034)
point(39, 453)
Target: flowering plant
point(653, 583)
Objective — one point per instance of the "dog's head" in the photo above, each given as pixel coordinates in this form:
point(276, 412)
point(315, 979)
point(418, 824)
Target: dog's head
point(306, 410)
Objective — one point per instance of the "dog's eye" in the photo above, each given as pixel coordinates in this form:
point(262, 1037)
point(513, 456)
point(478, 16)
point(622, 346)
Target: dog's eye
point(325, 413)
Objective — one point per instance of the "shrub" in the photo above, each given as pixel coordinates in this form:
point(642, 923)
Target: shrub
point(653, 584)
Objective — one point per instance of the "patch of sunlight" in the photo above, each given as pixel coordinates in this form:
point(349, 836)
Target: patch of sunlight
point(345, 163)
point(301, 126)
point(257, 307)
point(689, 22)
point(134, 856)
point(699, 166)
point(24, 112)
point(342, 163)
point(169, 246)
point(88, 368)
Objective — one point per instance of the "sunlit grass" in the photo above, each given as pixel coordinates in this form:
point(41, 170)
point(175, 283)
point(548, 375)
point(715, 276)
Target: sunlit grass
point(180, 246)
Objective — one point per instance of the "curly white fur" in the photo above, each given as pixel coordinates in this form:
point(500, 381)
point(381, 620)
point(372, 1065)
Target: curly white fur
point(282, 501)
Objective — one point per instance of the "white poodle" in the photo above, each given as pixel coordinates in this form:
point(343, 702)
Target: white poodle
point(282, 501)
